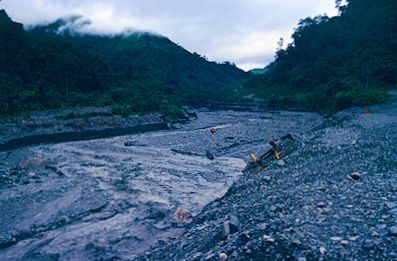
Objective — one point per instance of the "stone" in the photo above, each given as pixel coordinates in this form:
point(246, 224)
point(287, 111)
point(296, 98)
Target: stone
point(321, 204)
point(390, 205)
point(322, 250)
point(223, 257)
point(129, 143)
point(183, 215)
point(231, 225)
point(32, 175)
point(262, 226)
point(268, 239)
point(393, 231)
point(354, 238)
point(197, 255)
point(281, 163)
point(336, 239)
point(209, 256)
point(344, 242)
point(247, 234)
point(355, 176)
point(24, 180)
point(297, 242)
point(35, 163)
point(369, 244)
point(209, 155)
point(234, 254)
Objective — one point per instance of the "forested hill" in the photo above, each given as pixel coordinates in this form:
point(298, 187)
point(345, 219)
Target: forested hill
point(338, 62)
point(55, 66)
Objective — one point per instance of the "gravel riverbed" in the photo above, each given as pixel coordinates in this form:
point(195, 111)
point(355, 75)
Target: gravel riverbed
point(333, 197)
point(102, 200)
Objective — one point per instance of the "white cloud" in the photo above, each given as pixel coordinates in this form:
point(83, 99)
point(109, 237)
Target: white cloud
point(243, 32)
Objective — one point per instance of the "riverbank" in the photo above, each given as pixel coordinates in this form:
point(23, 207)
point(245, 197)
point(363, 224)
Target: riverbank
point(99, 199)
point(54, 126)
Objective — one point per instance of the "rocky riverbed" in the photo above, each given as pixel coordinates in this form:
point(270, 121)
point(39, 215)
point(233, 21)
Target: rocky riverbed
point(333, 196)
point(102, 200)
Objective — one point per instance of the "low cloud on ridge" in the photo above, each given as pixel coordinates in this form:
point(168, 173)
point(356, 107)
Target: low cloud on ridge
point(243, 32)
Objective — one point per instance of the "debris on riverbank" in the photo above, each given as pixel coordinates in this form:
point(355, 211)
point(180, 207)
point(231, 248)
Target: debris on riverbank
point(306, 209)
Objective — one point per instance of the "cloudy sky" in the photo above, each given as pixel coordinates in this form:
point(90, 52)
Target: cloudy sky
point(244, 32)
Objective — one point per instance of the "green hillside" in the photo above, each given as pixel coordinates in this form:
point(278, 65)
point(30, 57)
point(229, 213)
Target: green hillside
point(335, 63)
point(54, 66)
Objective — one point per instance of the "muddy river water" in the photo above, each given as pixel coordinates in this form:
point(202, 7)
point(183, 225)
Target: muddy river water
point(100, 199)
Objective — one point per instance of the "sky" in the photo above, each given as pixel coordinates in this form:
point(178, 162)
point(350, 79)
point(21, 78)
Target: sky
point(244, 32)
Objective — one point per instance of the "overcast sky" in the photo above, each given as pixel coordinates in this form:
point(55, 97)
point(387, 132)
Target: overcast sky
point(244, 32)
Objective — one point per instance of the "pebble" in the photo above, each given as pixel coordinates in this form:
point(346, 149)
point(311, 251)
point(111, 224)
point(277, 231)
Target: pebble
point(234, 254)
point(197, 255)
point(209, 256)
point(32, 175)
point(231, 226)
point(393, 231)
point(344, 242)
point(129, 143)
point(336, 239)
point(369, 244)
point(262, 226)
point(223, 257)
point(355, 176)
point(268, 238)
point(24, 180)
point(247, 234)
point(390, 205)
point(183, 215)
point(297, 242)
point(281, 163)
point(323, 250)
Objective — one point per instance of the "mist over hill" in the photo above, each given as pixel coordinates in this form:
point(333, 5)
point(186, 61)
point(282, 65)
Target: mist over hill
point(60, 65)
point(332, 64)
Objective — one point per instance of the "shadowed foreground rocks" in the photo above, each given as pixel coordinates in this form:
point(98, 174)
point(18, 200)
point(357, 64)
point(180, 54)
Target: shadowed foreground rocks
point(335, 198)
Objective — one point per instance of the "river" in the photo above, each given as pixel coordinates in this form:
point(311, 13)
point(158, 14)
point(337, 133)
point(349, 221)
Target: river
point(100, 199)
